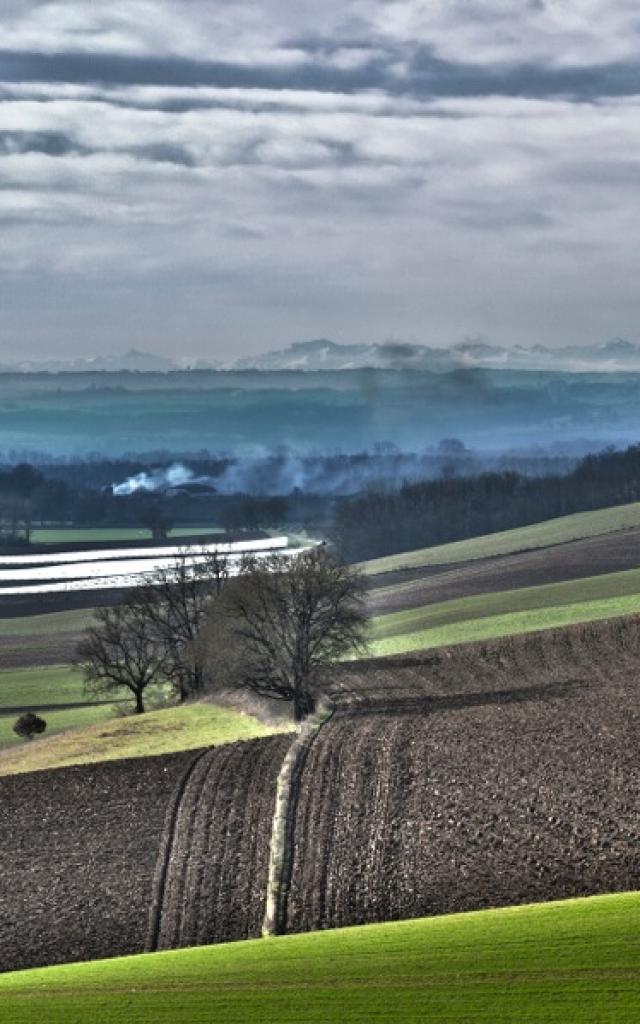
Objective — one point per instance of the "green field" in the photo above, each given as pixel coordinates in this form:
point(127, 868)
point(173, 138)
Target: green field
point(16, 749)
point(525, 538)
point(573, 962)
point(490, 627)
point(591, 592)
point(156, 732)
point(90, 535)
point(51, 624)
point(33, 687)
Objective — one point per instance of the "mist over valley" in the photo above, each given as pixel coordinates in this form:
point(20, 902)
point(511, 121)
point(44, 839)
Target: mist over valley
point(111, 414)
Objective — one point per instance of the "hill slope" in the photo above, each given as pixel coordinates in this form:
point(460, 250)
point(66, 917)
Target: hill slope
point(469, 777)
point(186, 727)
point(526, 538)
point(576, 961)
point(81, 865)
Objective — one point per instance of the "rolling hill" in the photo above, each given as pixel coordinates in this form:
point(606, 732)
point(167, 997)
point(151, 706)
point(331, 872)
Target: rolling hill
point(576, 961)
point(92, 734)
point(465, 778)
point(578, 526)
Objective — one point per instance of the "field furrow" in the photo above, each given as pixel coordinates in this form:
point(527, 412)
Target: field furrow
point(215, 884)
point(78, 849)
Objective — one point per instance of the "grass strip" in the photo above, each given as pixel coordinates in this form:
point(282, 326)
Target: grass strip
point(40, 685)
point(28, 752)
point(573, 961)
point(486, 628)
point(590, 590)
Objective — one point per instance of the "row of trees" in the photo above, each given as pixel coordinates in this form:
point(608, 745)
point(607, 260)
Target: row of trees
point(268, 628)
point(434, 512)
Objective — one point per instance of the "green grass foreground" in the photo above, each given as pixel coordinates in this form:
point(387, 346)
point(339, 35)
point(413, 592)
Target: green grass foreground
point(579, 526)
point(106, 738)
point(573, 962)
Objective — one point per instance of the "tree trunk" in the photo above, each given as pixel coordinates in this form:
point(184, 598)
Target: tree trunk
point(303, 705)
point(197, 679)
point(139, 703)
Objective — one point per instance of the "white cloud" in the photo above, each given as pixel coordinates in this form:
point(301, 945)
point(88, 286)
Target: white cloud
point(556, 33)
point(300, 206)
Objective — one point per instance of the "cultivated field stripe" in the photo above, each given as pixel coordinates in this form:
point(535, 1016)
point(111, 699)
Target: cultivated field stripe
point(589, 589)
point(510, 624)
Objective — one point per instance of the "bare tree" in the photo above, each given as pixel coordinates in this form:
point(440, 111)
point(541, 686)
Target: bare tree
point(154, 516)
point(174, 601)
point(279, 621)
point(121, 652)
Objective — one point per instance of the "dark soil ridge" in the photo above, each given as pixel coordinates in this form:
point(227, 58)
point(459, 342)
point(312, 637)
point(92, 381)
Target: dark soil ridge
point(604, 651)
point(19, 709)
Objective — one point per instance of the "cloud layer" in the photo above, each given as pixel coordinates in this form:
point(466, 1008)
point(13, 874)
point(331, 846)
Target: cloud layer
point(211, 174)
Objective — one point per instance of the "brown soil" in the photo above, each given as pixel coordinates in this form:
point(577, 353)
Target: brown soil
point(15, 606)
point(25, 651)
point(211, 880)
point(481, 776)
point(78, 849)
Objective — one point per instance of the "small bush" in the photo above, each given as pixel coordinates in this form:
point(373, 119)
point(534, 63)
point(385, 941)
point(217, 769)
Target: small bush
point(29, 725)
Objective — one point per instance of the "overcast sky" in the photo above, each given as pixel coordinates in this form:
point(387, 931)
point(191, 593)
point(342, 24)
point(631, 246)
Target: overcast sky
point(206, 177)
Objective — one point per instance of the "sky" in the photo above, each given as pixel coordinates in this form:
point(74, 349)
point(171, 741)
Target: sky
point(215, 178)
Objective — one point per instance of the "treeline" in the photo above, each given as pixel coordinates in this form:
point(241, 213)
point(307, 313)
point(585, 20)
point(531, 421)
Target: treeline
point(434, 512)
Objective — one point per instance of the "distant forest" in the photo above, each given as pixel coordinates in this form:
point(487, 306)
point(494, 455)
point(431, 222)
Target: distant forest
point(378, 518)
point(437, 511)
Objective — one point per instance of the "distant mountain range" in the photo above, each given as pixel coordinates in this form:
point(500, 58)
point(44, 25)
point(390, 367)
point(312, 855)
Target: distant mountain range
point(618, 354)
point(322, 354)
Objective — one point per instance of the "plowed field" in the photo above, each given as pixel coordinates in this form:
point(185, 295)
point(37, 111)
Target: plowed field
point(212, 872)
point(78, 849)
point(483, 775)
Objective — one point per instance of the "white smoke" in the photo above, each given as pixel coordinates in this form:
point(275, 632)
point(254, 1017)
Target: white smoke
point(283, 472)
point(176, 475)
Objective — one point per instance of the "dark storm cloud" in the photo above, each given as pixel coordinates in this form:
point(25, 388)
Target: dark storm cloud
point(114, 69)
point(49, 143)
point(58, 144)
point(429, 76)
point(422, 75)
